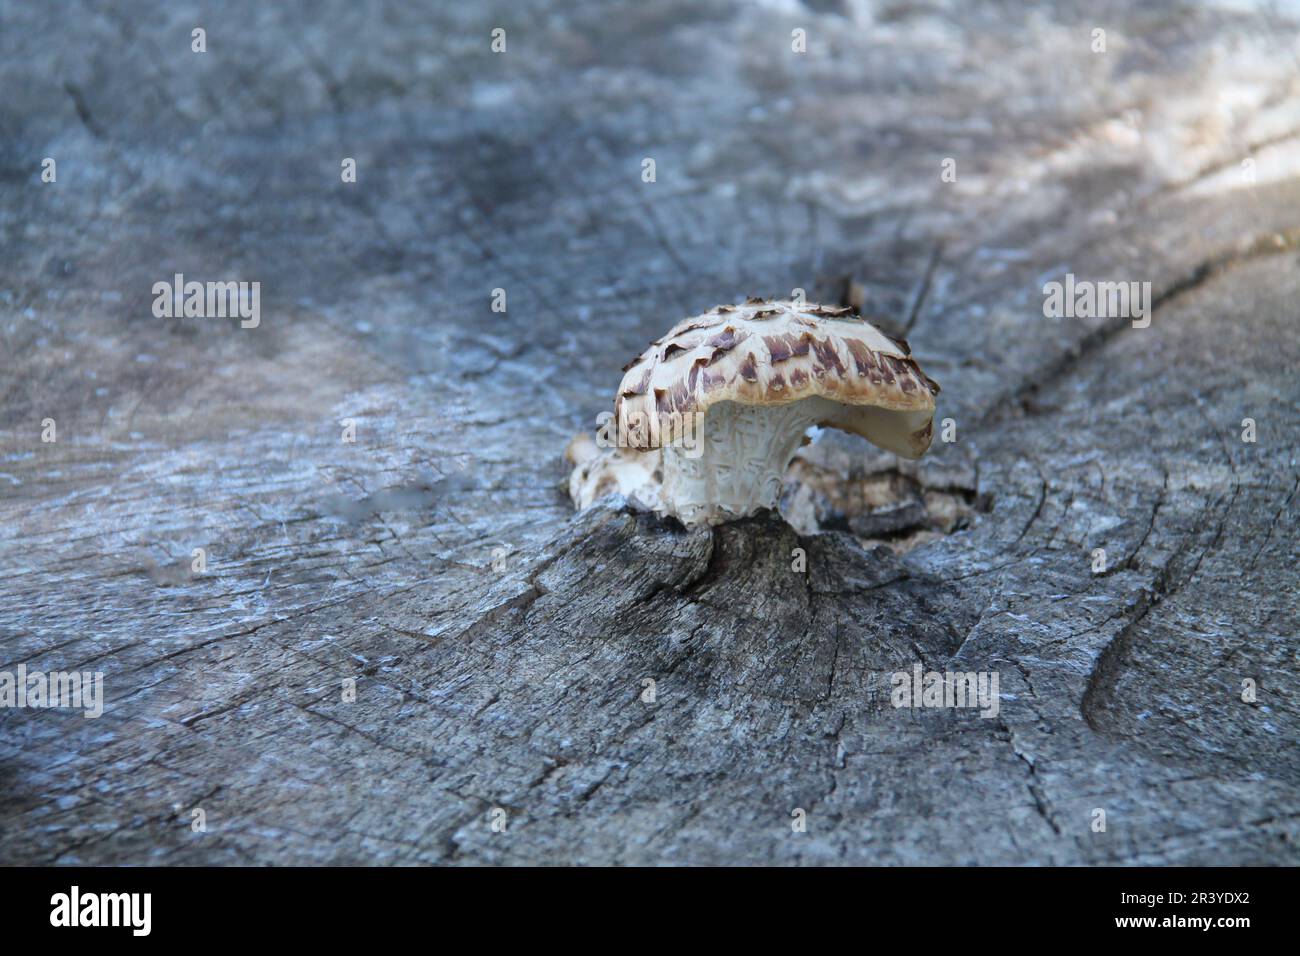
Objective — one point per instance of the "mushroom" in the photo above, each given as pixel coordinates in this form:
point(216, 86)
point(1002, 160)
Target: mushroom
point(602, 471)
point(727, 398)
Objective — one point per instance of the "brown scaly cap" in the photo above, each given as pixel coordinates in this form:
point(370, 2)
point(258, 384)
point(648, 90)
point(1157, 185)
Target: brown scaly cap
point(776, 352)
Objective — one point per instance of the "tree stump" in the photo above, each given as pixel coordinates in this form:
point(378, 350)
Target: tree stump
point(407, 648)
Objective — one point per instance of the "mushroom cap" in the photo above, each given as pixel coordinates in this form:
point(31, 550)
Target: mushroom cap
point(776, 352)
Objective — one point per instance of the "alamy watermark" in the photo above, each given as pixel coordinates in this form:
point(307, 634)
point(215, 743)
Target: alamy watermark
point(640, 430)
point(75, 908)
point(1084, 299)
point(946, 689)
point(74, 690)
point(208, 300)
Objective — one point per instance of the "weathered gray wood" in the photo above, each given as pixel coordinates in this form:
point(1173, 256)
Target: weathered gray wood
point(517, 684)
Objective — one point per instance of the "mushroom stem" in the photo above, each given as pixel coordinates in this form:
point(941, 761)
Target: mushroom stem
point(746, 450)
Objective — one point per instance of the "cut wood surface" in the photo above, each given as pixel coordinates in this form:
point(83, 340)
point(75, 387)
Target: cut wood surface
point(501, 646)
